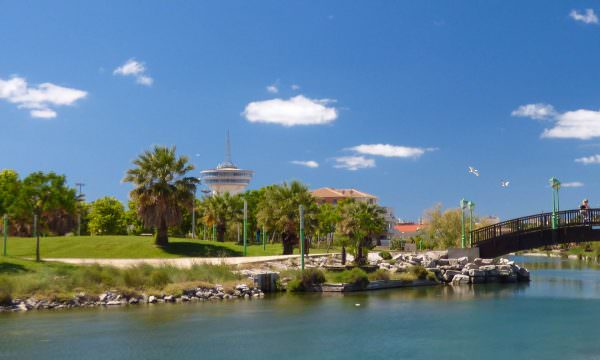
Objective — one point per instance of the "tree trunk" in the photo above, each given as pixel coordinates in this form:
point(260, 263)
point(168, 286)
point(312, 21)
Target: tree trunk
point(288, 240)
point(221, 232)
point(162, 234)
point(359, 254)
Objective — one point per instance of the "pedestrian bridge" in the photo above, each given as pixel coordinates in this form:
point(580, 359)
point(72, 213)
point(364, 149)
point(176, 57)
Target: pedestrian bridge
point(536, 231)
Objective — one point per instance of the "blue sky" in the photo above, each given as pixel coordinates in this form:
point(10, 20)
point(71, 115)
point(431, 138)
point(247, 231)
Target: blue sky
point(446, 84)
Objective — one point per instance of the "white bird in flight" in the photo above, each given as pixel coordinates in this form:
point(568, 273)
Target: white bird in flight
point(504, 183)
point(473, 171)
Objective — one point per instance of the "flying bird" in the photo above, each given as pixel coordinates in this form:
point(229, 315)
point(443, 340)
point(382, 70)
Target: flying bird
point(473, 171)
point(504, 183)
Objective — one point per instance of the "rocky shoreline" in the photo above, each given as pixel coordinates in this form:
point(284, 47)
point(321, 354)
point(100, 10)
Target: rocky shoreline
point(114, 298)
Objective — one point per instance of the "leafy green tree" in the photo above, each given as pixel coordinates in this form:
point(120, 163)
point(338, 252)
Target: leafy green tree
point(327, 218)
point(220, 209)
point(443, 229)
point(9, 189)
point(107, 217)
point(279, 211)
point(360, 222)
point(162, 189)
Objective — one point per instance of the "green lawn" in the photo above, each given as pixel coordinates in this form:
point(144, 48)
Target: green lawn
point(132, 247)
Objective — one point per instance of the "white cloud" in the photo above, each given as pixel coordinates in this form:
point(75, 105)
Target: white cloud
point(537, 111)
point(390, 150)
point(354, 163)
point(136, 69)
point(39, 99)
point(572, 184)
point(272, 89)
point(297, 110)
point(589, 17)
point(43, 114)
point(309, 163)
point(579, 124)
point(587, 160)
point(295, 87)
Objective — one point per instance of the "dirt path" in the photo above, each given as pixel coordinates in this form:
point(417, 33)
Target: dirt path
point(178, 262)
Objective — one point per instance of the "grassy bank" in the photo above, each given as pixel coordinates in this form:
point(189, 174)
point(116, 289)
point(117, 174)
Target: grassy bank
point(22, 278)
point(132, 247)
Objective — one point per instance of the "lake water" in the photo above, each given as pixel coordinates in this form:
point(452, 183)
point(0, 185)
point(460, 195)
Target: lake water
point(556, 316)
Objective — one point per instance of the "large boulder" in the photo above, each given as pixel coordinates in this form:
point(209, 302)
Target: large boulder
point(460, 279)
point(450, 274)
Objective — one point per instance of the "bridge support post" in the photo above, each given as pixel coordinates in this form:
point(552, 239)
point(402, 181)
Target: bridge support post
point(471, 207)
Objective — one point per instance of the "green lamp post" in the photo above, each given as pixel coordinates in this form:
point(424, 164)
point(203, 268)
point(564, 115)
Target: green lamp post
point(302, 236)
point(555, 184)
point(245, 227)
point(471, 206)
point(463, 207)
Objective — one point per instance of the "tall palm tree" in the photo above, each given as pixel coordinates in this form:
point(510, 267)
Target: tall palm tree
point(219, 209)
point(161, 190)
point(278, 210)
point(360, 222)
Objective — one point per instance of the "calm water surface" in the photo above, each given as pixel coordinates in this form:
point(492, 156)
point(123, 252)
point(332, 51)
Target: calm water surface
point(556, 316)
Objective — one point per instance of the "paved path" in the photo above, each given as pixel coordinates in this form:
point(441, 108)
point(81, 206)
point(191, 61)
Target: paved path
point(179, 262)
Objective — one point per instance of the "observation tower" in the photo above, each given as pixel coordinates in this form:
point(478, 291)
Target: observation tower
point(227, 177)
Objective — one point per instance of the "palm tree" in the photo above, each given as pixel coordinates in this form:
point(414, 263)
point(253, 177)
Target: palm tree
point(278, 211)
point(161, 190)
point(360, 222)
point(218, 210)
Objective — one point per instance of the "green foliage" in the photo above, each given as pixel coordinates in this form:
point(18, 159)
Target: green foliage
point(162, 189)
point(397, 244)
point(419, 272)
point(431, 276)
point(107, 217)
point(443, 229)
point(385, 255)
point(220, 209)
point(380, 274)
point(356, 276)
point(20, 278)
point(278, 211)
point(9, 189)
point(48, 196)
point(306, 279)
point(360, 222)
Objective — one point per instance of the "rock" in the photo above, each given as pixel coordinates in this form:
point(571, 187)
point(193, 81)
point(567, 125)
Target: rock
point(113, 302)
point(443, 262)
point(169, 298)
point(487, 261)
point(477, 273)
point(185, 298)
point(460, 279)
point(22, 307)
point(133, 301)
point(463, 260)
point(152, 299)
point(477, 279)
point(450, 274)
point(523, 274)
point(103, 297)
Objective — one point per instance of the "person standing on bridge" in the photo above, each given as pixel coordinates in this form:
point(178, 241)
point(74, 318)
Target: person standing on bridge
point(584, 210)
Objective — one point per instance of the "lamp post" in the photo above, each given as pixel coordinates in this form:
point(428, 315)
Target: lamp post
point(555, 184)
point(463, 238)
point(194, 215)
point(245, 227)
point(471, 206)
point(302, 237)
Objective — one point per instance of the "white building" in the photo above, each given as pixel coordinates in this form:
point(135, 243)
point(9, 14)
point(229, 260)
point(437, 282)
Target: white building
point(227, 177)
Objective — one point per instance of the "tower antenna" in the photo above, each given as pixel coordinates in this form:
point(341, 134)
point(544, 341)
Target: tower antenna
point(228, 149)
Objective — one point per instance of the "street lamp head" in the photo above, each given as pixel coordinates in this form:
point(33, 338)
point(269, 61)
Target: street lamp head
point(471, 205)
point(554, 183)
point(463, 204)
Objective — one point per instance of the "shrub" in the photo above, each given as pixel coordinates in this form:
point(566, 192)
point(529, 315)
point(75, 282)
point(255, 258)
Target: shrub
point(380, 274)
point(407, 277)
point(392, 262)
point(385, 255)
point(6, 289)
point(419, 272)
point(396, 244)
point(159, 278)
point(306, 279)
point(431, 276)
point(356, 277)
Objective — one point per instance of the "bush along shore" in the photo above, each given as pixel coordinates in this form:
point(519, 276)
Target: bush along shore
point(27, 285)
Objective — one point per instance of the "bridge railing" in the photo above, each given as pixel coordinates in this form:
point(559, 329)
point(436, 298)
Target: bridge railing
point(536, 222)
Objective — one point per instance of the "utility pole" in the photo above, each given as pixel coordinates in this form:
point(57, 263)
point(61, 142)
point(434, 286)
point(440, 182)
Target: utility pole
point(194, 215)
point(463, 238)
point(471, 206)
point(555, 184)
